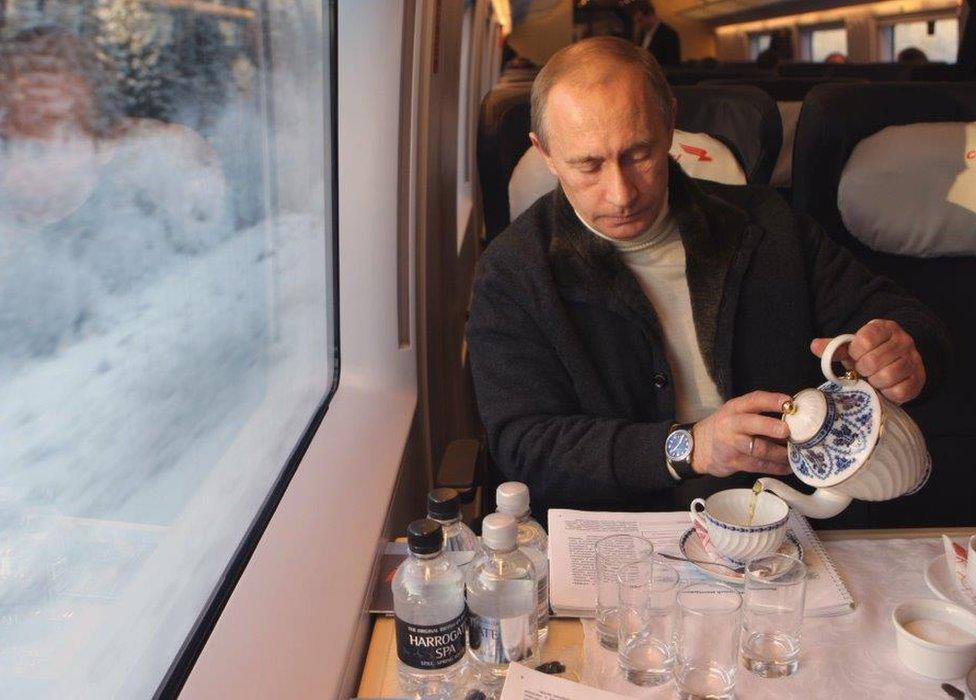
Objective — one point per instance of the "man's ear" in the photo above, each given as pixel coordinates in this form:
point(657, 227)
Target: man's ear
point(542, 151)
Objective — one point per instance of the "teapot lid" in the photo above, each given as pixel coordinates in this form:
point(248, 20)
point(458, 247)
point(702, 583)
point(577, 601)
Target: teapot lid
point(833, 428)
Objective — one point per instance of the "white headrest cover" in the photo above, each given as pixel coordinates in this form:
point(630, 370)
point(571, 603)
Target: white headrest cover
point(699, 155)
point(911, 190)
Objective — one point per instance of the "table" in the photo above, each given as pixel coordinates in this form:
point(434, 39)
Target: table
point(858, 659)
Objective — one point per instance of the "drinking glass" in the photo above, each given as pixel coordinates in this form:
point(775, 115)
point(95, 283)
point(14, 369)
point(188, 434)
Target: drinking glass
point(645, 610)
point(772, 615)
point(611, 553)
point(707, 641)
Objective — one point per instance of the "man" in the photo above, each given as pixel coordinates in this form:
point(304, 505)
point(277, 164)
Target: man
point(633, 304)
point(655, 36)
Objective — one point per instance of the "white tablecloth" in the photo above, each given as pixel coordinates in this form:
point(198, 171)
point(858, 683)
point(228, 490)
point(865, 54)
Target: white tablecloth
point(851, 656)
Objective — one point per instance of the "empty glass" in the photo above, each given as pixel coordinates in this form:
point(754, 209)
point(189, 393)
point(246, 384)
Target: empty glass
point(645, 613)
point(611, 553)
point(772, 615)
point(707, 640)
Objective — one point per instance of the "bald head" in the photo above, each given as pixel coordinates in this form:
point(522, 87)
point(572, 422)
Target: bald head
point(598, 64)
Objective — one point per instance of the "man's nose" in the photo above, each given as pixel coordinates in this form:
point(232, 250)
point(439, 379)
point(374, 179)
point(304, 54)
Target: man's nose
point(621, 191)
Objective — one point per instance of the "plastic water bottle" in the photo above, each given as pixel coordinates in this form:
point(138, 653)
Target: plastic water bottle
point(501, 586)
point(444, 507)
point(428, 604)
point(512, 498)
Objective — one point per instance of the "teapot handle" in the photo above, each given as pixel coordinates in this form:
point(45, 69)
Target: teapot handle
point(827, 360)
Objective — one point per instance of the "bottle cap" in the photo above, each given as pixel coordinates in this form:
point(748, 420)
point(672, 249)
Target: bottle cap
point(498, 531)
point(512, 497)
point(424, 536)
point(443, 504)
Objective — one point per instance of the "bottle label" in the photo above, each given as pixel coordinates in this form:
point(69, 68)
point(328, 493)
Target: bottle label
point(430, 647)
point(501, 640)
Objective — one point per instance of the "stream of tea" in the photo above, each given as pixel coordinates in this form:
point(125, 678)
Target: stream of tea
point(757, 488)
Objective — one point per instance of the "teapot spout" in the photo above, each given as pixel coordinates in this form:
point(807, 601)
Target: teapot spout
point(822, 503)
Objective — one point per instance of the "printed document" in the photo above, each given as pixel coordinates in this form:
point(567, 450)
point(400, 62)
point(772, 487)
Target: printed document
point(572, 562)
point(522, 683)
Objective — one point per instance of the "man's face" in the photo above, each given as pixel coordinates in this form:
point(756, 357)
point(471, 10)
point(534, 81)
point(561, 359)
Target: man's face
point(608, 145)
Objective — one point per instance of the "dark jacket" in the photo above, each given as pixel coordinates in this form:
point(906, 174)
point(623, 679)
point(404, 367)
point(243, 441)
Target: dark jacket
point(567, 357)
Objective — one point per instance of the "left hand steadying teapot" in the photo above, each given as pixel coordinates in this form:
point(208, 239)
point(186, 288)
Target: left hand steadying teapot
point(850, 442)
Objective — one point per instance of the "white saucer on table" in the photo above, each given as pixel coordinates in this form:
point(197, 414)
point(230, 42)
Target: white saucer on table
point(692, 549)
point(939, 580)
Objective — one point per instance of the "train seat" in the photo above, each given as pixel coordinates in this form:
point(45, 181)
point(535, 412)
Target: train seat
point(789, 94)
point(875, 165)
point(939, 72)
point(693, 76)
point(871, 71)
point(700, 156)
point(804, 70)
point(742, 118)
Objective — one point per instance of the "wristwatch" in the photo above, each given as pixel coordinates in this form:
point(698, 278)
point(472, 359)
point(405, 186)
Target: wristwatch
point(678, 448)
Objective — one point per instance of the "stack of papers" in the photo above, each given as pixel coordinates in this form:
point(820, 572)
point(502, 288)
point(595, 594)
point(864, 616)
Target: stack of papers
point(572, 561)
point(522, 683)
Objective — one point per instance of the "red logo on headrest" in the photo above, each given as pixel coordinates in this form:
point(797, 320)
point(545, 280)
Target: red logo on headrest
point(695, 151)
point(971, 155)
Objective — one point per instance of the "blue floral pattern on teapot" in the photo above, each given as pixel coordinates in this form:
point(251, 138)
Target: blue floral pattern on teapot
point(842, 440)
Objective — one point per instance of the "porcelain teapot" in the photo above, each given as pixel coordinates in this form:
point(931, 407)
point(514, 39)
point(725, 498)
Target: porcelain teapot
point(849, 441)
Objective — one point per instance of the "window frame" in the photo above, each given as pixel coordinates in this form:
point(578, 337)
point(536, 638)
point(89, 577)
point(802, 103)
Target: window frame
point(196, 640)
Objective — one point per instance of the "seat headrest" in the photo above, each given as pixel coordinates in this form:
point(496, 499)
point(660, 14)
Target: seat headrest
point(741, 117)
point(911, 190)
point(836, 118)
point(699, 155)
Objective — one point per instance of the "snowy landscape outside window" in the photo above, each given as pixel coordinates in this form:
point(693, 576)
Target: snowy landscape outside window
point(167, 332)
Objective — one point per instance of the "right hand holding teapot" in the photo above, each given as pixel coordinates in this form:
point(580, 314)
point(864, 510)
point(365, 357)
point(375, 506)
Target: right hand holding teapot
point(884, 354)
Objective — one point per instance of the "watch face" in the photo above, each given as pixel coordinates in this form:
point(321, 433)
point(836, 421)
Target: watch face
point(678, 446)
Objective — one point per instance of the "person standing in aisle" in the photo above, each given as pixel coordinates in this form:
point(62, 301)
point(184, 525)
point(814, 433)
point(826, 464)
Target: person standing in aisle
point(655, 36)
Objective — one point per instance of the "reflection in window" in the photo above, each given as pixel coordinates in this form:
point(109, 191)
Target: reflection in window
point(165, 317)
point(824, 42)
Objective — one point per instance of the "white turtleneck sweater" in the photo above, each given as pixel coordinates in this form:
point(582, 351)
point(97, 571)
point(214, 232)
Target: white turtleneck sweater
point(657, 259)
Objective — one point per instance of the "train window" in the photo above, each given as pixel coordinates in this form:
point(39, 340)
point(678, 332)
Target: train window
point(819, 42)
point(936, 37)
point(167, 325)
point(758, 43)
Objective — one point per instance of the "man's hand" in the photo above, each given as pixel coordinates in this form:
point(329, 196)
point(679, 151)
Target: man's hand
point(885, 355)
point(723, 440)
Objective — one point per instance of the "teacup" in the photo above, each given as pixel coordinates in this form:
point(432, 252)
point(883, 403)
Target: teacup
point(724, 515)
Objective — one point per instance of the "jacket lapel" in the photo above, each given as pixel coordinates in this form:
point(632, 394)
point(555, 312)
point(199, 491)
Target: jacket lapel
point(718, 240)
point(588, 269)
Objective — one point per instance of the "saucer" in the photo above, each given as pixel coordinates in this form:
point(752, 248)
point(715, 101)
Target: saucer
point(691, 548)
point(938, 579)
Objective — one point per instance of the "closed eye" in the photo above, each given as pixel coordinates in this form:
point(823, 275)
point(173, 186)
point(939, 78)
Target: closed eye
point(587, 165)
